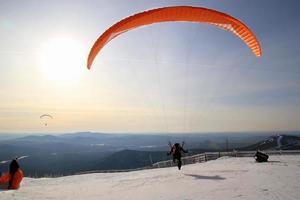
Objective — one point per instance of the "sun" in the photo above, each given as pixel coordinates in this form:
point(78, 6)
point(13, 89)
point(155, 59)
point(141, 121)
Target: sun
point(62, 59)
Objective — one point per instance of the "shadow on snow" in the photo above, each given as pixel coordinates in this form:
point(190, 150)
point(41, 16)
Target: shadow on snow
point(216, 177)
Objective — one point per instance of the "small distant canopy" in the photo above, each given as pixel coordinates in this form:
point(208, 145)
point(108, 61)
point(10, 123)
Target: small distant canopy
point(44, 116)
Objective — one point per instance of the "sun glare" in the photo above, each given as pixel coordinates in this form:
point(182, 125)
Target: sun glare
point(62, 60)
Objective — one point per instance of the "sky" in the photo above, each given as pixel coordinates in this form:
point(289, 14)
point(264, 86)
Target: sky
point(168, 77)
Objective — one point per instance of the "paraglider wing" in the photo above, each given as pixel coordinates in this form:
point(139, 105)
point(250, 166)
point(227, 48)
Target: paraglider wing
point(46, 116)
point(181, 14)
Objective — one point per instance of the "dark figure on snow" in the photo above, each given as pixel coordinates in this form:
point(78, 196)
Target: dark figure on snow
point(261, 157)
point(176, 150)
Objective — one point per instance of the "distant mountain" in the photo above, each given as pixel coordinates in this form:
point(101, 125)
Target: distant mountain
point(131, 159)
point(90, 141)
point(78, 152)
point(9, 136)
point(277, 142)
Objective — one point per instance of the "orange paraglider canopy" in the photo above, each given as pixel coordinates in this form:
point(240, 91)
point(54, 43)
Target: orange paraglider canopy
point(177, 13)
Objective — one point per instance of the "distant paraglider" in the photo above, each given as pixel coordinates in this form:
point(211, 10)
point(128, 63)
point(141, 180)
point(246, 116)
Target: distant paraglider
point(45, 118)
point(177, 14)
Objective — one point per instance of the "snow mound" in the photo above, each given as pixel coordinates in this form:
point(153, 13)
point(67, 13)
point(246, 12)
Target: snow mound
point(226, 178)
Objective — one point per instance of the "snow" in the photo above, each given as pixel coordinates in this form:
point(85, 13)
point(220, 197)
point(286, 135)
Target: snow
point(225, 178)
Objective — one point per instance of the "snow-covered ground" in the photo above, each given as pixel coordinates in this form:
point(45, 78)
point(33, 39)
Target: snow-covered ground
point(225, 178)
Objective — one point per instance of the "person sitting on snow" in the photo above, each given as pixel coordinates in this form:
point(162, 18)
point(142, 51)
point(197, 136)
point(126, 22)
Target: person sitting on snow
point(13, 178)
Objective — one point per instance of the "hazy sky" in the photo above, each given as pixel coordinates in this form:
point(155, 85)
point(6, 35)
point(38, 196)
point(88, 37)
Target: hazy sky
point(169, 77)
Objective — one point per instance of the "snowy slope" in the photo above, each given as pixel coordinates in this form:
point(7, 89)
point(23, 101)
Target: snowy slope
point(225, 178)
point(283, 142)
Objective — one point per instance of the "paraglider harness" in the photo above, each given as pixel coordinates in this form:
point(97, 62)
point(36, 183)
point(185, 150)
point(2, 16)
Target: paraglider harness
point(175, 150)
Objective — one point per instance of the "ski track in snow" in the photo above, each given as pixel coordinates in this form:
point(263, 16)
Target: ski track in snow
point(225, 178)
